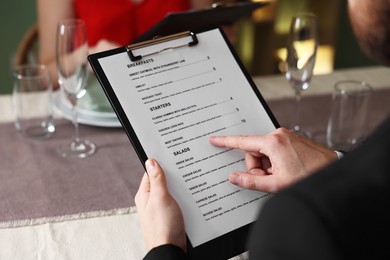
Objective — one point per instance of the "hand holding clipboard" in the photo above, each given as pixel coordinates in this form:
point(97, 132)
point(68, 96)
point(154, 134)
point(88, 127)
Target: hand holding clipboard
point(170, 94)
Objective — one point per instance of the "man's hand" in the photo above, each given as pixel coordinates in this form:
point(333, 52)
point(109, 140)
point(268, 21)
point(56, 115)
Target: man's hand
point(160, 216)
point(276, 160)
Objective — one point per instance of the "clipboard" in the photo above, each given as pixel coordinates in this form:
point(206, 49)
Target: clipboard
point(166, 112)
point(217, 14)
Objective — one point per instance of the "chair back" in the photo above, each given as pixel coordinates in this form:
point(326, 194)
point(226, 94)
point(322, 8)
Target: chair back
point(27, 49)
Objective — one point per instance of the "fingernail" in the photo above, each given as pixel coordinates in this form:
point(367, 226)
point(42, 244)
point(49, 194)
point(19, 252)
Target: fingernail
point(235, 178)
point(150, 166)
point(213, 139)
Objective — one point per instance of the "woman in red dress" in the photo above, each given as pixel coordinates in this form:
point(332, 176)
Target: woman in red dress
point(110, 23)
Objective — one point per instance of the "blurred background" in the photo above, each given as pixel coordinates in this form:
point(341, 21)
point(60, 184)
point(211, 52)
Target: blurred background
point(261, 40)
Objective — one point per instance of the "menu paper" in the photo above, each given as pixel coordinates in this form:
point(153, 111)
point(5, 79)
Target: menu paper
point(174, 101)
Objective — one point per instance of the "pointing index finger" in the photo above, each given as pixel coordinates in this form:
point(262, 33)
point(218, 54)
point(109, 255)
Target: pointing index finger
point(244, 142)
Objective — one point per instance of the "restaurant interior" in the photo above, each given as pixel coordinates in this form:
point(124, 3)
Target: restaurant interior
point(58, 207)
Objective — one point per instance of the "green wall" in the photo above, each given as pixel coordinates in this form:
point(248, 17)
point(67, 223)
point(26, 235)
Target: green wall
point(16, 16)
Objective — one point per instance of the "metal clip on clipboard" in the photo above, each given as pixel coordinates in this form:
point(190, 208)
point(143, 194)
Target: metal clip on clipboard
point(130, 48)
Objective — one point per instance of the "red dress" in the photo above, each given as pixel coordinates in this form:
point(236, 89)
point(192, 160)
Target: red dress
point(121, 21)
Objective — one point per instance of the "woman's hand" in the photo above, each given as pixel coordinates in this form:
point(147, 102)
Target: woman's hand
point(160, 216)
point(103, 45)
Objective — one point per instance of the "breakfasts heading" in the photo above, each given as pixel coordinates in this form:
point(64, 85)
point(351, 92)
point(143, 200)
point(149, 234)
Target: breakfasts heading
point(140, 62)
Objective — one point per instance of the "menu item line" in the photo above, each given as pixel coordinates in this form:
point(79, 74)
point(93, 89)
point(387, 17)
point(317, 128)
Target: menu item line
point(195, 75)
point(177, 93)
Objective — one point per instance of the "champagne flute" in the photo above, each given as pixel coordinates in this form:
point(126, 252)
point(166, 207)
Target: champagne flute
point(72, 52)
point(301, 55)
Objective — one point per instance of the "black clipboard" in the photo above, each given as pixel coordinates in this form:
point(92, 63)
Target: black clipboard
point(233, 242)
point(196, 20)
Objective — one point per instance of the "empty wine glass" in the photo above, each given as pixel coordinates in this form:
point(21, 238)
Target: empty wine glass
point(72, 52)
point(301, 55)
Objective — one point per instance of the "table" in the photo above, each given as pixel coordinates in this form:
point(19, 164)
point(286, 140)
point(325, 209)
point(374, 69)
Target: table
point(51, 209)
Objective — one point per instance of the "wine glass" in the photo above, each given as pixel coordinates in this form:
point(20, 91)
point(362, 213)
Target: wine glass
point(72, 52)
point(301, 55)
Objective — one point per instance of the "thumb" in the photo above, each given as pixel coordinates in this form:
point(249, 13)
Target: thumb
point(156, 177)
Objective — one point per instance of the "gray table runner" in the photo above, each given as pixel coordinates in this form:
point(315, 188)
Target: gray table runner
point(36, 183)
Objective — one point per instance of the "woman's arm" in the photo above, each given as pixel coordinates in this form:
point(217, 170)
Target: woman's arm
point(49, 13)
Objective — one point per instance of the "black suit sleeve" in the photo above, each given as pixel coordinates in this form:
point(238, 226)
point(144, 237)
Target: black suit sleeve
point(341, 212)
point(289, 229)
point(165, 252)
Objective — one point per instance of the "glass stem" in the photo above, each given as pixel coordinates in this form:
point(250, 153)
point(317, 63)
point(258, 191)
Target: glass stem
point(76, 138)
point(297, 118)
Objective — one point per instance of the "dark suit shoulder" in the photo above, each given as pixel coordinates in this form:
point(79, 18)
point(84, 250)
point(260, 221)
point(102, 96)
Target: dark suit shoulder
point(341, 211)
